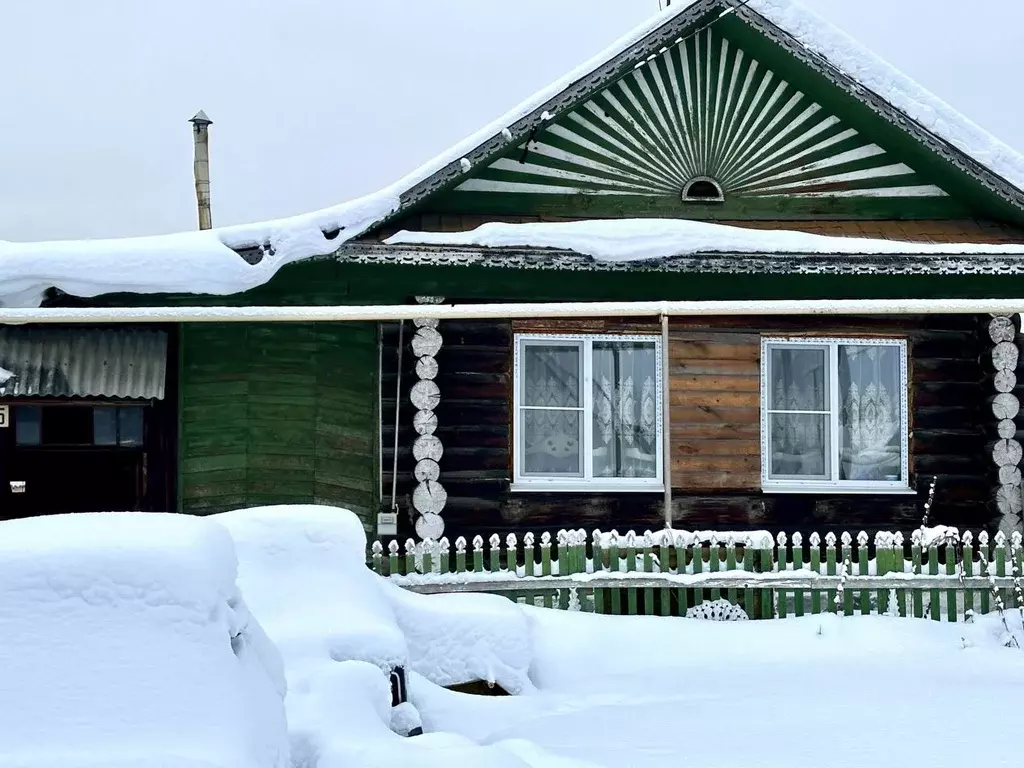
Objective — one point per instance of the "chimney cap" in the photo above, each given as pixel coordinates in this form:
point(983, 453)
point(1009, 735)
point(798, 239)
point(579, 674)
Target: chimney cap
point(201, 119)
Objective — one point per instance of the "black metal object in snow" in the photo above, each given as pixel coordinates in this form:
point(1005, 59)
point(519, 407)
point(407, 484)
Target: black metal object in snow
point(400, 694)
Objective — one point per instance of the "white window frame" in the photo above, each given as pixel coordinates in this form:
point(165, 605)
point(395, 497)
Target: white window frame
point(832, 344)
point(587, 482)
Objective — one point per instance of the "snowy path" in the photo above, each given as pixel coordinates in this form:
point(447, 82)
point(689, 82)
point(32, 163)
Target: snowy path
point(862, 692)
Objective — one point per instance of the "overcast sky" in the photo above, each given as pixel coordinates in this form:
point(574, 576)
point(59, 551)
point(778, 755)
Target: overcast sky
point(317, 101)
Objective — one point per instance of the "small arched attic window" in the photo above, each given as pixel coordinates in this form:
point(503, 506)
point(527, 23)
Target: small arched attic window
point(703, 189)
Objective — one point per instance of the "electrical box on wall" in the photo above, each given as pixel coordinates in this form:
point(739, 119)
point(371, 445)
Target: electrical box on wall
point(387, 523)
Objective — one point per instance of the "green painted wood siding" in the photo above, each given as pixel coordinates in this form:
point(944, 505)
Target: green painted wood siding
point(281, 414)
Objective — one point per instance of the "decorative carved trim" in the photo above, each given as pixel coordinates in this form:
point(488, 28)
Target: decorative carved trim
point(429, 497)
point(714, 263)
point(1006, 451)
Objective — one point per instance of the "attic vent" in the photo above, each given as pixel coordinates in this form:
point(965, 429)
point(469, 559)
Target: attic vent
point(703, 189)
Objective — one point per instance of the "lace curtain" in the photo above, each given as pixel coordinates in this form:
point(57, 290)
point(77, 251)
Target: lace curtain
point(624, 418)
point(869, 419)
point(551, 433)
point(625, 409)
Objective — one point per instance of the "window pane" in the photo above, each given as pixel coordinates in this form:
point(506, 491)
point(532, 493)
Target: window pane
point(550, 442)
point(869, 419)
point(799, 379)
point(28, 424)
point(625, 409)
point(129, 425)
point(799, 445)
point(104, 426)
point(67, 425)
point(551, 375)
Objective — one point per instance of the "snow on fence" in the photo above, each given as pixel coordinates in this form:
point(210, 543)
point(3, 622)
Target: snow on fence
point(940, 574)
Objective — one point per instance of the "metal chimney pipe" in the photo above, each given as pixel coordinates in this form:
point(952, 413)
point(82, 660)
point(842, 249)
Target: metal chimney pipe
point(201, 138)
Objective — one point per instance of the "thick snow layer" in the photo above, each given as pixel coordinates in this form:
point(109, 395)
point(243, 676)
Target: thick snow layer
point(340, 628)
point(124, 642)
point(645, 691)
point(645, 239)
point(190, 262)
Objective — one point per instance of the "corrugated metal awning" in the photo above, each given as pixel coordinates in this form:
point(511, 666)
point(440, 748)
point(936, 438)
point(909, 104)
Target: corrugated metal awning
point(84, 362)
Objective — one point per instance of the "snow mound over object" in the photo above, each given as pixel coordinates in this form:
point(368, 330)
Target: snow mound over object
point(645, 239)
point(340, 628)
point(125, 643)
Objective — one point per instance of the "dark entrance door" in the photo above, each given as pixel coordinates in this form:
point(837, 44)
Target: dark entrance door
point(73, 457)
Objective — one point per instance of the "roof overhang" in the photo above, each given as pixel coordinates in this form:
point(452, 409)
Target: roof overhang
point(711, 262)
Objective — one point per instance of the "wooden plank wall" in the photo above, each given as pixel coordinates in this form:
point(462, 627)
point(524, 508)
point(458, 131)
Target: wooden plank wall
point(282, 414)
point(715, 431)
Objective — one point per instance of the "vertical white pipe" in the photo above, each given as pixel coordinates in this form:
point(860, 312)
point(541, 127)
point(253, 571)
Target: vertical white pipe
point(666, 422)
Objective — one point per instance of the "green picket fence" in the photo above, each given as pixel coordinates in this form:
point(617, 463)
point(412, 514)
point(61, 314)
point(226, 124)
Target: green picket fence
point(933, 573)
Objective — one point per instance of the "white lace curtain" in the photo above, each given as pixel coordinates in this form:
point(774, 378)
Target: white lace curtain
point(625, 413)
point(869, 417)
point(625, 409)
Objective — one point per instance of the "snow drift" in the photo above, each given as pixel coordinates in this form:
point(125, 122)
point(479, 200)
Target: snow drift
point(124, 643)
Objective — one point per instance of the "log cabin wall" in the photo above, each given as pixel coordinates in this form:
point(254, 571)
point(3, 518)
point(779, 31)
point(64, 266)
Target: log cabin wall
point(715, 431)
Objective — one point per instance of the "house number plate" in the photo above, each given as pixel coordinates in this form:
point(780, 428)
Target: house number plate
point(5, 413)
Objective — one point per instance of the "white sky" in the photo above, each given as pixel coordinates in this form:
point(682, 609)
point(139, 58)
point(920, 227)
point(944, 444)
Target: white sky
point(317, 101)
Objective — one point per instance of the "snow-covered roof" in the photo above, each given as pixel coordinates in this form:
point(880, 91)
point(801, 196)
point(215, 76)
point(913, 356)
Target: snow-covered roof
point(626, 240)
point(234, 259)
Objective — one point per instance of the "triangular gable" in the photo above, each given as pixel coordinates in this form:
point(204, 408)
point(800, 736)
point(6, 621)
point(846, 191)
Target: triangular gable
point(721, 91)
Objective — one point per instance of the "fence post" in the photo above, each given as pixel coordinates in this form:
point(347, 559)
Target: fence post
point(648, 568)
point(767, 566)
point(882, 552)
point(529, 561)
point(815, 556)
point(393, 568)
point(495, 543)
point(968, 568)
point(730, 564)
point(460, 554)
point(444, 554)
point(595, 545)
point(985, 557)
point(830, 569)
point(952, 547)
point(613, 564)
point(478, 554)
point(631, 566)
point(680, 550)
point(426, 548)
point(545, 564)
point(798, 565)
point(917, 594)
point(846, 540)
point(898, 563)
point(564, 566)
point(1001, 563)
point(781, 565)
point(863, 558)
point(410, 557)
point(378, 557)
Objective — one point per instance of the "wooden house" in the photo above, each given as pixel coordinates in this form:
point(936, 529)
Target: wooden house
point(695, 160)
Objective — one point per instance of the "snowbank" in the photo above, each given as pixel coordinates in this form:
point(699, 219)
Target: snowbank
point(124, 642)
point(340, 627)
point(623, 240)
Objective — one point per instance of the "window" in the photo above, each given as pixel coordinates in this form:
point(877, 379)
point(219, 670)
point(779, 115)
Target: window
point(703, 189)
point(587, 413)
point(78, 426)
point(834, 415)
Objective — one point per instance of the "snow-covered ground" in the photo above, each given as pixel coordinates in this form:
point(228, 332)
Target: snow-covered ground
point(126, 642)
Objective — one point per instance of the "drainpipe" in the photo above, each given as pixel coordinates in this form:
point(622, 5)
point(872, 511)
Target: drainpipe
point(201, 139)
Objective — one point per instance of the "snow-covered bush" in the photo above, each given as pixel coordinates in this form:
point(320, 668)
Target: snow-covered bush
point(717, 610)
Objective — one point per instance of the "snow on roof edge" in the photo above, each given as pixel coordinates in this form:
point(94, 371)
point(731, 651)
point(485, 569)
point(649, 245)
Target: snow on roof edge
point(625, 240)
